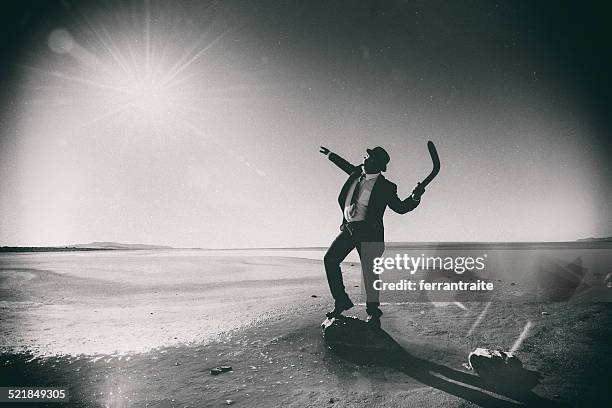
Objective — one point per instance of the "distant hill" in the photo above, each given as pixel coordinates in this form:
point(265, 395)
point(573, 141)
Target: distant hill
point(92, 246)
point(116, 245)
point(604, 239)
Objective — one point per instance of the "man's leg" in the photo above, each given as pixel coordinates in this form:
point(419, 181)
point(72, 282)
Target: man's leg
point(339, 249)
point(367, 252)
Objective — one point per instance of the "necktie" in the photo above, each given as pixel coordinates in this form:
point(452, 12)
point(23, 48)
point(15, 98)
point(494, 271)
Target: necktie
point(355, 196)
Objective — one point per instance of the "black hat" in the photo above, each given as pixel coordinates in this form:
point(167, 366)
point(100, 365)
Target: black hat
point(380, 155)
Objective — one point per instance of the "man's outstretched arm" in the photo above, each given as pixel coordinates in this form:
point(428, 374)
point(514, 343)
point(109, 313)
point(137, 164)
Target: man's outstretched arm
point(409, 204)
point(338, 161)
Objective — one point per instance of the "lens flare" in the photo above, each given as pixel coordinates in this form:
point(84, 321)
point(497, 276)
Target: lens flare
point(61, 41)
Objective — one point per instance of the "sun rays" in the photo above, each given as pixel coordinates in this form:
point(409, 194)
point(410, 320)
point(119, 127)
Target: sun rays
point(157, 66)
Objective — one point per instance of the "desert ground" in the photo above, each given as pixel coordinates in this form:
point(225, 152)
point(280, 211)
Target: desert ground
point(118, 340)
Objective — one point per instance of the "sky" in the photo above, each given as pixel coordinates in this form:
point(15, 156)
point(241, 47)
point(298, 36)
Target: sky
point(198, 124)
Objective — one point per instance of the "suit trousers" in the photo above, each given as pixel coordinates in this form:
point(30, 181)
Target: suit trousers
point(352, 237)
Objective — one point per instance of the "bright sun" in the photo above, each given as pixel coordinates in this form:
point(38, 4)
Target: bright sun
point(143, 76)
point(148, 95)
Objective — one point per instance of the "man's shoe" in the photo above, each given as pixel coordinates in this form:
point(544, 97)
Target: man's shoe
point(374, 321)
point(339, 308)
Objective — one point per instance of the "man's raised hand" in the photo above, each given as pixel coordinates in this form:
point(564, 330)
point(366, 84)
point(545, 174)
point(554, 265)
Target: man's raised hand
point(324, 150)
point(418, 191)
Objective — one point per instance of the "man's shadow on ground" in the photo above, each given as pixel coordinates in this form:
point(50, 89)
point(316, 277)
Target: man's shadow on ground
point(471, 387)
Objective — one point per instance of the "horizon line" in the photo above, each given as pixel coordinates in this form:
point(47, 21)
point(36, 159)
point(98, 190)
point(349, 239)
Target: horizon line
point(313, 247)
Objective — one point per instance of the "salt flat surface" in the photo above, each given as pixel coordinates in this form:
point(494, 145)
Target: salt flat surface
point(120, 302)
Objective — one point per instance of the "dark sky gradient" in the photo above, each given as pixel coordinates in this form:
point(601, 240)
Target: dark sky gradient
point(515, 95)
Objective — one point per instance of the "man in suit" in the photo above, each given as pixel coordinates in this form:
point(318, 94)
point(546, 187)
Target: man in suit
point(363, 200)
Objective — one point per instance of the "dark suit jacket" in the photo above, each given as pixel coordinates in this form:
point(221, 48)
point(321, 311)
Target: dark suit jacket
point(384, 193)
